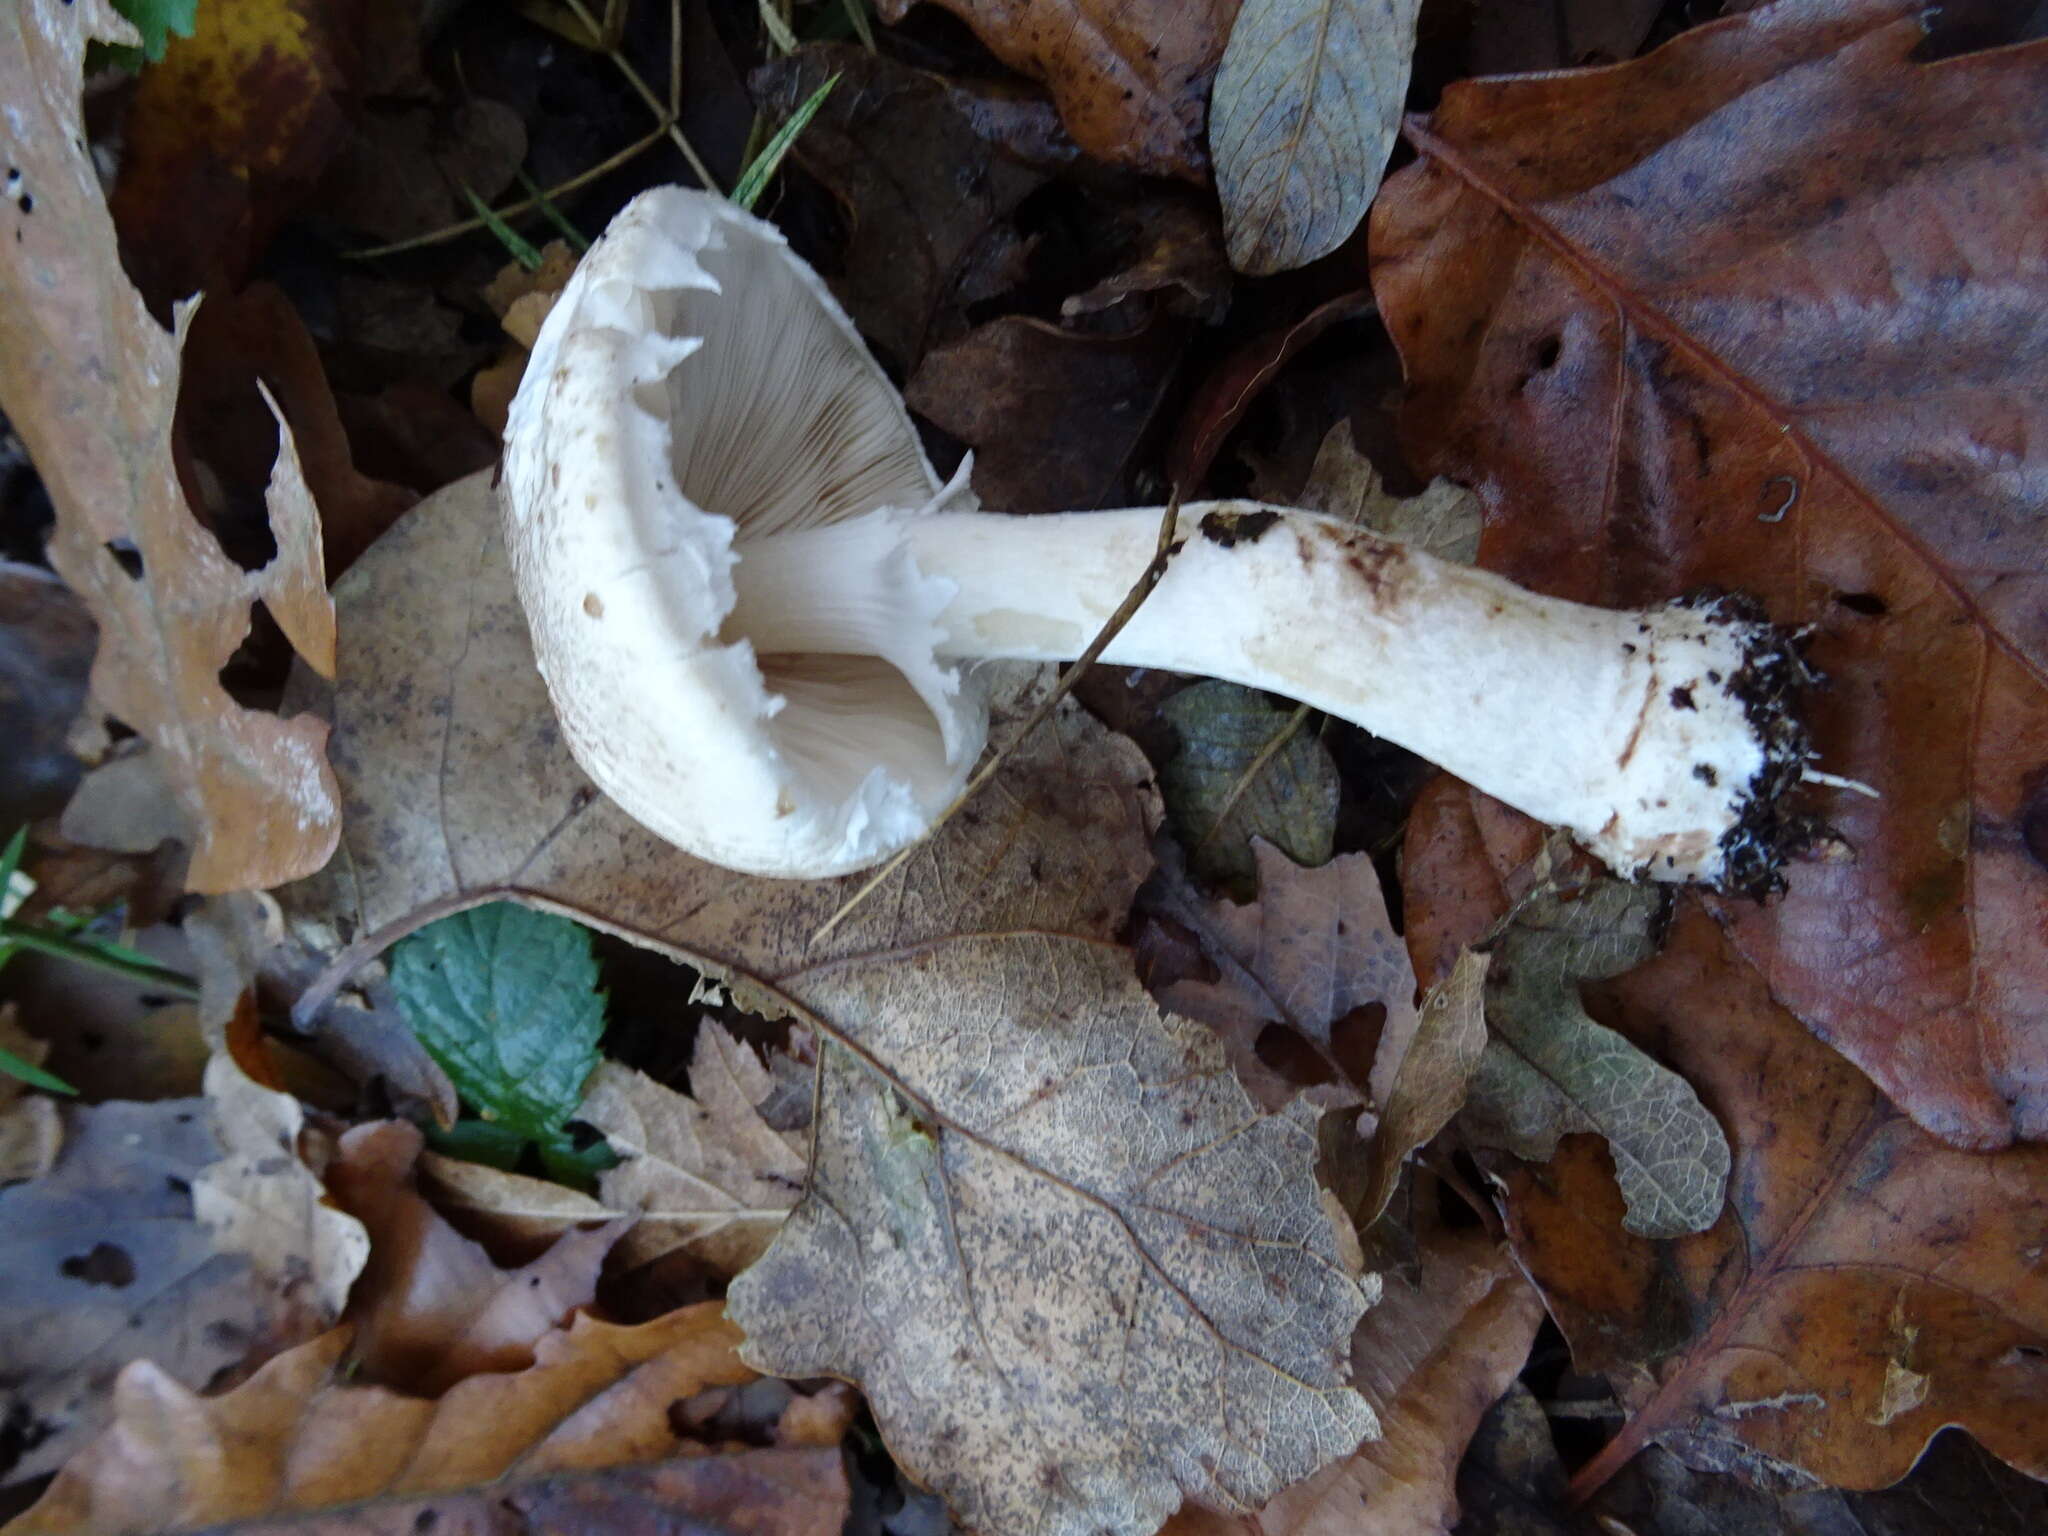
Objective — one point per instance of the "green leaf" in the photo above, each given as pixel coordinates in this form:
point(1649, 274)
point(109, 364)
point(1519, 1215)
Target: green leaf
point(32, 1074)
point(754, 180)
point(1246, 767)
point(506, 1000)
point(156, 20)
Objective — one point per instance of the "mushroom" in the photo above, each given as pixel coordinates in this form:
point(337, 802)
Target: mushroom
point(752, 599)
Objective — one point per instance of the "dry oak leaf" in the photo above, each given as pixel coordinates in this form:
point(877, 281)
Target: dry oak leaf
point(1135, 1292)
point(301, 1439)
point(1430, 1081)
point(1131, 77)
point(1450, 1333)
point(90, 382)
point(1443, 519)
point(1760, 310)
point(1854, 1244)
point(1315, 958)
point(432, 1306)
point(703, 1170)
point(186, 1231)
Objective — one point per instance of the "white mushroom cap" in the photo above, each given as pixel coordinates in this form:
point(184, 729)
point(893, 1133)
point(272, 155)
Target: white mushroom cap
point(696, 388)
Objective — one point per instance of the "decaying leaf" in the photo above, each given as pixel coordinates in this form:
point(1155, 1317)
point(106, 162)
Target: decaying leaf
point(927, 173)
point(1432, 1079)
point(90, 382)
point(1315, 959)
point(1668, 395)
point(300, 1438)
point(1444, 1341)
point(1773, 1333)
point(1246, 768)
point(1131, 76)
point(1444, 519)
point(31, 1130)
point(1307, 101)
point(705, 1172)
point(512, 1206)
point(185, 1232)
point(1549, 1069)
point(1125, 1218)
point(432, 1307)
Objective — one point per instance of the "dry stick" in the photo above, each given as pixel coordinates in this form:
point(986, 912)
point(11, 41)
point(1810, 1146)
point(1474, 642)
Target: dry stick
point(625, 67)
point(1141, 589)
point(1252, 770)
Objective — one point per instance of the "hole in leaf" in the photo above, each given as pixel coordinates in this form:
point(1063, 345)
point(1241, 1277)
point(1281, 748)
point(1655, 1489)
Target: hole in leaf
point(1548, 351)
point(127, 556)
point(1355, 1039)
point(1869, 604)
point(106, 1264)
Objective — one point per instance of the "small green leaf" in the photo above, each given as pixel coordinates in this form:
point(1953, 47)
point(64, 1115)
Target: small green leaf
point(32, 1074)
point(1245, 769)
point(506, 1000)
point(155, 20)
point(754, 180)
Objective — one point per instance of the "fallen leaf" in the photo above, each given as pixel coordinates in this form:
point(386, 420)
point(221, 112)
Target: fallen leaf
point(1512, 1482)
point(403, 167)
point(1444, 519)
point(999, 931)
point(1245, 768)
point(432, 1306)
point(927, 183)
point(1511, 37)
point(511, 1206)
point(1431, 1357)
point(31, 1130)
point(183, 1231)
point(225, 135)
point(46, 646)
point(1307, 101)
point(578, 1440)
point(1432, 1080)
point(1549, 1069)
point(1054, 416)
point(1667, 395)
point(704, 1170)
point(1131, 77)
point(89, 381)
point(1314, 959)
point(1176, 252)
point(1769, 1332)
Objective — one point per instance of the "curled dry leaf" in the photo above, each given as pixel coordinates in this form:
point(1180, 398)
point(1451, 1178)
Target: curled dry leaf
point(1773, 1331)
point(1667, 395)
point(1432, 1079)
point(433, 1307)
point(1131, 77)
point(1315, 958)
point(1307, 101)
point(1549, 1069)
point(1449, 1334)
point(300, 1438)
point(988, 1053)
point(185, 1231)
point(90, 382)
point(704, 1171)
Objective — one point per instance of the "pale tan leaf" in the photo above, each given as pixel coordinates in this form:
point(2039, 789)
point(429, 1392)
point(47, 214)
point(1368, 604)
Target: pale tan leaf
point(301, 1438)
point(704, 1170)
point(510, 1204)
point(185, 1231)
point(1316, 955)
point(1443, 520)
point(31, 1130)
point(1307, 101)
point(90, 382)
point(1092, 1155)
point(1431, 1082)
point(1549, 1069)
point(433, 1307)
point(1432, 1357)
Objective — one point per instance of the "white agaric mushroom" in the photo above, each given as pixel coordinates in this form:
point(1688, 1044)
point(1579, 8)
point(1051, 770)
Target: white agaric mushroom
point(749, 595)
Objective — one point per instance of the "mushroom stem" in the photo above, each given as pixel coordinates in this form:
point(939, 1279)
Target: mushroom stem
point(1660, 738)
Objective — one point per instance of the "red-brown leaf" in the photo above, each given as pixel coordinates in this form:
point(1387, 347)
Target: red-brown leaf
point(1763, 310)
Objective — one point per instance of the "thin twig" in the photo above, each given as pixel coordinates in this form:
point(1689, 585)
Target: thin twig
point(669, 125)
point(1169, 525)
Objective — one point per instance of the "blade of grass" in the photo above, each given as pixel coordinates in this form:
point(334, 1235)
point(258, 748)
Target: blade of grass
point(13, 1066)
point(552, 214)
point(521, 249)
point(777, 26)
point(754, 181)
